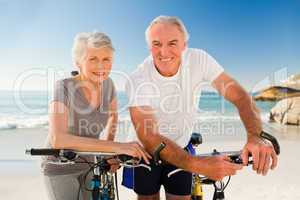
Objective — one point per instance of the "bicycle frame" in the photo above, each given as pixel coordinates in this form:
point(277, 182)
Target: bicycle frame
point(103, 186)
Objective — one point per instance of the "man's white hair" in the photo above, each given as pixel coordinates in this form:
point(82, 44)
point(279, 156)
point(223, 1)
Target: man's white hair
point(85, 40)
point(167, 20)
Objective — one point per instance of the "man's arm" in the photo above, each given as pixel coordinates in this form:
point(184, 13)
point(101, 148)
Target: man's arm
point(144, 121)
point(233, 92)
point(250, 115)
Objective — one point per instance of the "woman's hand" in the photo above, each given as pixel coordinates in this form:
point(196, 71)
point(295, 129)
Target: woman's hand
point(114, 165)
point(134, 149)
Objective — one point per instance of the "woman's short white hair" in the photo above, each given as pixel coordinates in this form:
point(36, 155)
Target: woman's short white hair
point(169, 20)
point(85, 40)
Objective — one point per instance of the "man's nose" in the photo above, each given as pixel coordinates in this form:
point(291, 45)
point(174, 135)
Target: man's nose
point(164, 51)
point(100, 65)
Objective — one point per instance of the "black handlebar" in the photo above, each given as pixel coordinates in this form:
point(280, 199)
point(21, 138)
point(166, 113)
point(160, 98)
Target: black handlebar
point(43, 152)
point(72, 154)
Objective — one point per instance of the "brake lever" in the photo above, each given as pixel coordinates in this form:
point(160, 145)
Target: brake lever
point(235, 156)
point(238, 160)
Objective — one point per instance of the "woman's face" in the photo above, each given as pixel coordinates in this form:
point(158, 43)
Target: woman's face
point(96, 65)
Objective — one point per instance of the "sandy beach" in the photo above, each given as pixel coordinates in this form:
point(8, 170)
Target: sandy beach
point(21, 178)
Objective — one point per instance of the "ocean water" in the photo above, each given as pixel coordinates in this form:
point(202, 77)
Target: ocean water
point(29, 109)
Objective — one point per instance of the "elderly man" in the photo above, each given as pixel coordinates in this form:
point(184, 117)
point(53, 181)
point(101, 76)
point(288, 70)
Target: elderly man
point(162, 109)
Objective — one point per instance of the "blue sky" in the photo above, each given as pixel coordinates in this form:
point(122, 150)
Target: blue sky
point(251, 39)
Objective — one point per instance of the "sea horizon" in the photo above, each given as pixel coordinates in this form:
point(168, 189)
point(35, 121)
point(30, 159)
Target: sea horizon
point(30, 108)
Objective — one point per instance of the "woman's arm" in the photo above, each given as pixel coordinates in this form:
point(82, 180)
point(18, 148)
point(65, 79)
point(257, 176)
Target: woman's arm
point(112, 124)
point(61, 139)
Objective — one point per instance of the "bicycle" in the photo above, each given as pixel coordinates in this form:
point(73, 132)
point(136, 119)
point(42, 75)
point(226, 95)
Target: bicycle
point(220, 186)
point(104, 185)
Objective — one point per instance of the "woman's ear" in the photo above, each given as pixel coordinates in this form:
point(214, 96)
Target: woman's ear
point(77, 64)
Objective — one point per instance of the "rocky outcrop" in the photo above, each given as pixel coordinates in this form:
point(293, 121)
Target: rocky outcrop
point(286, 89)
point(277, 93)
point(286, 111)
point(292, 82)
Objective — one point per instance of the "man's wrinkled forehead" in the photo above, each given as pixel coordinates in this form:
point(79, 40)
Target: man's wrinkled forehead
point(163, 32)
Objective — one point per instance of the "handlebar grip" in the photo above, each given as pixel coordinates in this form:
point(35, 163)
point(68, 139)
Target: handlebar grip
point(273, 140)
point(43, 152)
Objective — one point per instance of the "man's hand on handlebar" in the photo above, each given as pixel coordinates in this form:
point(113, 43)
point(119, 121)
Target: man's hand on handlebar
point(262, 153)
point(219, 166)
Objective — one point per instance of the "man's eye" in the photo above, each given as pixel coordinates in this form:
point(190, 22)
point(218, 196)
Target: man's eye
point(173, 44)
point(106, 60)
point(92, 59)
point(156, 44)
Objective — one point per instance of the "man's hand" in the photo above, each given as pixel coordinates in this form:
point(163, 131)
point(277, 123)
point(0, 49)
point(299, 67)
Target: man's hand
point(262, 154)
point(216, 167)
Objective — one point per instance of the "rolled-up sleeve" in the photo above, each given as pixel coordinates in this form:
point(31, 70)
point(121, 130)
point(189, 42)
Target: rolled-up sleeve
point(60, 93)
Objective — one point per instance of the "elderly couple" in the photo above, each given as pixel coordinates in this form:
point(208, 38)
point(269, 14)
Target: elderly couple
point(162, 109)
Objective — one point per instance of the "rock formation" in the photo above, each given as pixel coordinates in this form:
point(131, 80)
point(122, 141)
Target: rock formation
point(286, 111)
point(276, 93)
point(287, 89)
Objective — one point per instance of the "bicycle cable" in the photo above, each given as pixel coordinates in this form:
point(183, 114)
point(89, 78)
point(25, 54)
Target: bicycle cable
point(227, 183)
point(116, 183)
point(85, 177)
point(80, 184)
point(222, 185)
point(92, 167)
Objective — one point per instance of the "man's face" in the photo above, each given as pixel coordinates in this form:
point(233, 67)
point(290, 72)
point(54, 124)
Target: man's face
point(166, 45)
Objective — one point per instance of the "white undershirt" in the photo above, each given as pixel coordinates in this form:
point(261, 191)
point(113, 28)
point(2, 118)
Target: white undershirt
point(173, 98)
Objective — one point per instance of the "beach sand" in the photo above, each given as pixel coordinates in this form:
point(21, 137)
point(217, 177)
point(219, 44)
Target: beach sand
point(21, 179)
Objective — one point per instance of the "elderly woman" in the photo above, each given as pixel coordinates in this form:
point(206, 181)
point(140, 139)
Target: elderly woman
point(82, 107)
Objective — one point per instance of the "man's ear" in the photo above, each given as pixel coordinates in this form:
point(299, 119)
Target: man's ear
point(184, 45)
